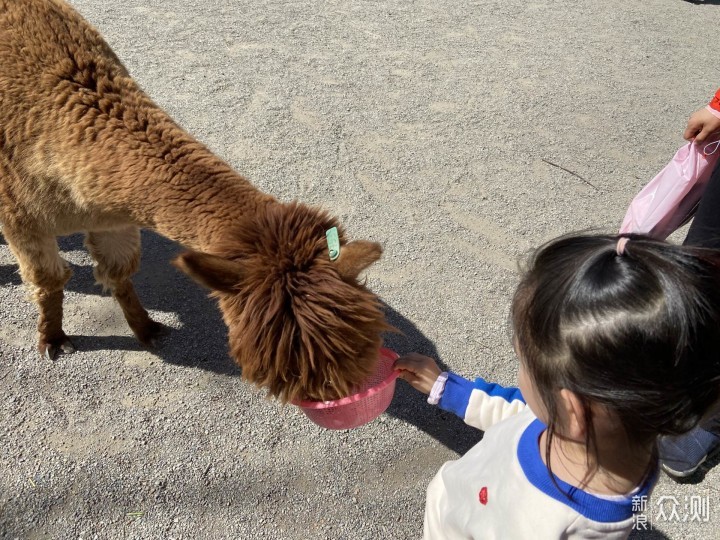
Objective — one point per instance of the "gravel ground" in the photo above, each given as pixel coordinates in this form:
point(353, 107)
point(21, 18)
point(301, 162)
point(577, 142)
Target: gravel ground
point(434, 127)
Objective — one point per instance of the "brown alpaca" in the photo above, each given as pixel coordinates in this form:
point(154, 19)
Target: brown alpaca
point(82, 148)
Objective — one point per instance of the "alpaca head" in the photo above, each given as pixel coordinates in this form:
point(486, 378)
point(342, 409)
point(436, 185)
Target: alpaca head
point(299, 324)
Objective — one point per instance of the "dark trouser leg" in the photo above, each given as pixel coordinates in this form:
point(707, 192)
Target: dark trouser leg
point(705, 231)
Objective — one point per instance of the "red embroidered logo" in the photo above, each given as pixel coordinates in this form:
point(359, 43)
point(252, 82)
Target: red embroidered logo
point(483, 496)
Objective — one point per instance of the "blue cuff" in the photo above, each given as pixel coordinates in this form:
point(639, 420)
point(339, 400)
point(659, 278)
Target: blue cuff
point(456, 396)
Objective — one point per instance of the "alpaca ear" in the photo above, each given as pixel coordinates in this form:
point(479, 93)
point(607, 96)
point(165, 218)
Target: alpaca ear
point(356, 256)
point(211, 271)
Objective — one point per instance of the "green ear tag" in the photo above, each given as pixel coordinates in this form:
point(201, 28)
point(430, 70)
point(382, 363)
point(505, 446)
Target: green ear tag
point(333, 242)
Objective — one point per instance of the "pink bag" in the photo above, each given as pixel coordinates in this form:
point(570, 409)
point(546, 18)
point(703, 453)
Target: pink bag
point(671, 198)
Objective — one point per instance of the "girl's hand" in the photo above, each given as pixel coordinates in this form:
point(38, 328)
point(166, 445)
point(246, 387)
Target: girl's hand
point(701, 124)
point(420, 371)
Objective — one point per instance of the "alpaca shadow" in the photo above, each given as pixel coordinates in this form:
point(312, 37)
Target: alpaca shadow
point(201, 339)
point(704, 2)
point(9, 275)
point(198, 336)
point(411, 406)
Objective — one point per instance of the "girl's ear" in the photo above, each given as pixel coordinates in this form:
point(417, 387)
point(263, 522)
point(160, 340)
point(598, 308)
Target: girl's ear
point(574, 422)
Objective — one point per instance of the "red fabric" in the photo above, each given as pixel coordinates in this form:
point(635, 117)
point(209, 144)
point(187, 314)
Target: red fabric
point(483, 496)
point(715, 103)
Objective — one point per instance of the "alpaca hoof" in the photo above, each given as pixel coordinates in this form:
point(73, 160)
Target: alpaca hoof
point(151, 334)
point(52, 347)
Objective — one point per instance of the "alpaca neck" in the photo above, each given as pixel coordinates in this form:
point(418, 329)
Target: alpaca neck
point(195, 197)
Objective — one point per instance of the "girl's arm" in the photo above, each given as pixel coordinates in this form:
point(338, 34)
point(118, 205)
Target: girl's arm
point(479, 404)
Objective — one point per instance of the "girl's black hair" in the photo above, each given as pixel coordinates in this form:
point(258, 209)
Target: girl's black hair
point(637, 332)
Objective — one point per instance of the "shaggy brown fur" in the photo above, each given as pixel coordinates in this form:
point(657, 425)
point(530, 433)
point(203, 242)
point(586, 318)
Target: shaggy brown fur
point(82, 148)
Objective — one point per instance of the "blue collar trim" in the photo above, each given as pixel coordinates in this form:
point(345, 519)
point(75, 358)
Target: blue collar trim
point(586, 504)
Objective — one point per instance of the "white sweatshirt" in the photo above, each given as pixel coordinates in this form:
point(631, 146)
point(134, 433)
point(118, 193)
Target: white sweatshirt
point(501, 489)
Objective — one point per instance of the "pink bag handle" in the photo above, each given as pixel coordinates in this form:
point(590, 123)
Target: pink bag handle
point(714, 145)
point(670, 199)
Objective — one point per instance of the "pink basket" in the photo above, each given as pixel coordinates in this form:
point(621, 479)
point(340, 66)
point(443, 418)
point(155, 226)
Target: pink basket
point(371, 400)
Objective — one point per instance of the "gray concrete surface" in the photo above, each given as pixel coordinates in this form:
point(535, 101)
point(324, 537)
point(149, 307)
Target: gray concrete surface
point(425, 125)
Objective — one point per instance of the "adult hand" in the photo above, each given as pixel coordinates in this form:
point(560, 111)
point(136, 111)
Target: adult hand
point(701, 124)
point(420, 371)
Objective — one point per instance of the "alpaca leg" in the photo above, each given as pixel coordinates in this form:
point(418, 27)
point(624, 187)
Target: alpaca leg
point(117, 254)
point(45, 273)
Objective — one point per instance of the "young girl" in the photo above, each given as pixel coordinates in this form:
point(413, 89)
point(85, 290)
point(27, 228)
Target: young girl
point(619, 342)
